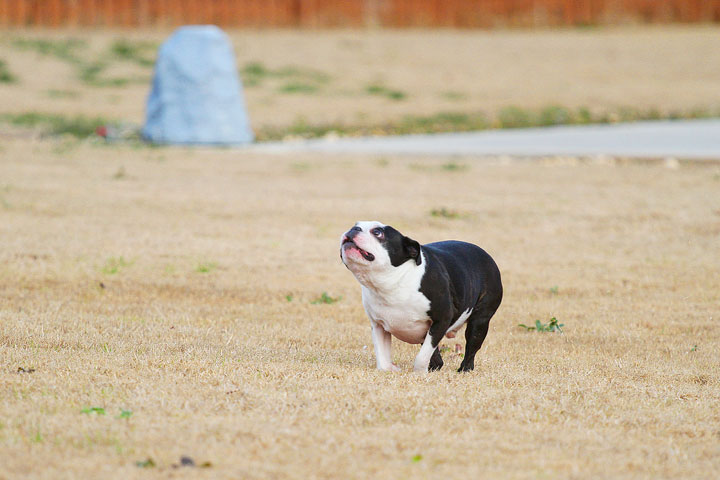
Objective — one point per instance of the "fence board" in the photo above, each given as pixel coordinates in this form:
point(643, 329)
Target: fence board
point(353, 13)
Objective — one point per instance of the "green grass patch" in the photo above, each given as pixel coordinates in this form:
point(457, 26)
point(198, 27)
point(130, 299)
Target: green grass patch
point(255, 73)
point(6, 75)
point(453, 167)
point(453, 95)
point(124, 414)
point(510, 117)
point(383, 91)
point(515, 117)
point(140, 53)
point(114, 264)
point(326, 299)
point(444, 213)
point(88, 71)
point(65, 49)
point(78, 126)
point(298, 87)
point(205, 267)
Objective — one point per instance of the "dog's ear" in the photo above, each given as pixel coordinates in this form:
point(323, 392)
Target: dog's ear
point(412, 249)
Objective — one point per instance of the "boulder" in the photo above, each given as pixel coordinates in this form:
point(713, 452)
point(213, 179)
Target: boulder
point(196, 96)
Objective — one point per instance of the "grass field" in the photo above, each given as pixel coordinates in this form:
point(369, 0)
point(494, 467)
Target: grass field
point(310, 82)
point(159, 303)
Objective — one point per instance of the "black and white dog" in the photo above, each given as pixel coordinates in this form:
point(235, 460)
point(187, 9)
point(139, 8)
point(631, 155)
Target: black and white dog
point(420, 294)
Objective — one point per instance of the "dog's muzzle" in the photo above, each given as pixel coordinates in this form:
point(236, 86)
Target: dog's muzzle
point(348, 243)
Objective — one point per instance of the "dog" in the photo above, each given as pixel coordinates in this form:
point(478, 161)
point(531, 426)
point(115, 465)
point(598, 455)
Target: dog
point(421, 293)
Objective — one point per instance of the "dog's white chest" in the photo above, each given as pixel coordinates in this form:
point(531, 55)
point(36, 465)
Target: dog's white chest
point(403, 312)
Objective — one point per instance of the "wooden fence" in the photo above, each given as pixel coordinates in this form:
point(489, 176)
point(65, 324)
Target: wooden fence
point(353, 13)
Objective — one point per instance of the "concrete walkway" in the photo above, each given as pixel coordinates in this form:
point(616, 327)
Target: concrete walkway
point(685, 139)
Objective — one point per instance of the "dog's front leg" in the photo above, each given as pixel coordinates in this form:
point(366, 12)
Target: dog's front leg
point(430, 344)
point(382, 341)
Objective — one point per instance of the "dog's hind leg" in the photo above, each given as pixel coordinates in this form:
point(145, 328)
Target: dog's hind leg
point(477, 329)
point(475, 334)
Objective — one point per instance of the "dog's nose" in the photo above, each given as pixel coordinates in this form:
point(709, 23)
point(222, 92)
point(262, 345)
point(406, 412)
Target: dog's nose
point(352, 233)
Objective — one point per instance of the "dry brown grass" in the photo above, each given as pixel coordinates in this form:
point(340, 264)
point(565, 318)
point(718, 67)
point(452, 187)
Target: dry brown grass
point(663, 68)
point(220, 366)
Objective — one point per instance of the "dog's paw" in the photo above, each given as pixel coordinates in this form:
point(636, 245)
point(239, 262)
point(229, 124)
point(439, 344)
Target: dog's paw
point(391, 368)
point(420, 369)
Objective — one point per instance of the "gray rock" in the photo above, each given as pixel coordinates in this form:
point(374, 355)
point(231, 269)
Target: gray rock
point(196, 96)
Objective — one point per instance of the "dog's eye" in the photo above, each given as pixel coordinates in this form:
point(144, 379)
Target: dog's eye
point(377, 232)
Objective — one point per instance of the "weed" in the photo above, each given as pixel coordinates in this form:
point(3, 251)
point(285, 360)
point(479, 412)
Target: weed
point(95, 410)
point(383, 91)
point(125, 414)
point(514, 117)
point(90, 74)
point(5, 75)
point(552, 326)
point(584, 115)
point(289, 298)
point(206, 267)
point(253, 74)
point(148, 463)
point(65, 49)
point(444, 213)
point(326, 299)
point(554, 290)
point(694, 348)
point(454, 96)
point(255, 69)
point(114, 264)
point(444, 122)
point(37, 438)
point(555, 115)
point(453, 167)
point(304, 73)
point(416, 458)
point(298, 87)
point(136, 52)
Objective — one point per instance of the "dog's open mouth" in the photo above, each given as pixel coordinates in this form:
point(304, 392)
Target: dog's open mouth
point(347, 243)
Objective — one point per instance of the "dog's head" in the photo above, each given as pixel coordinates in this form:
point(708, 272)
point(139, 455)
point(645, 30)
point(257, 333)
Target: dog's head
point(374, 246)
